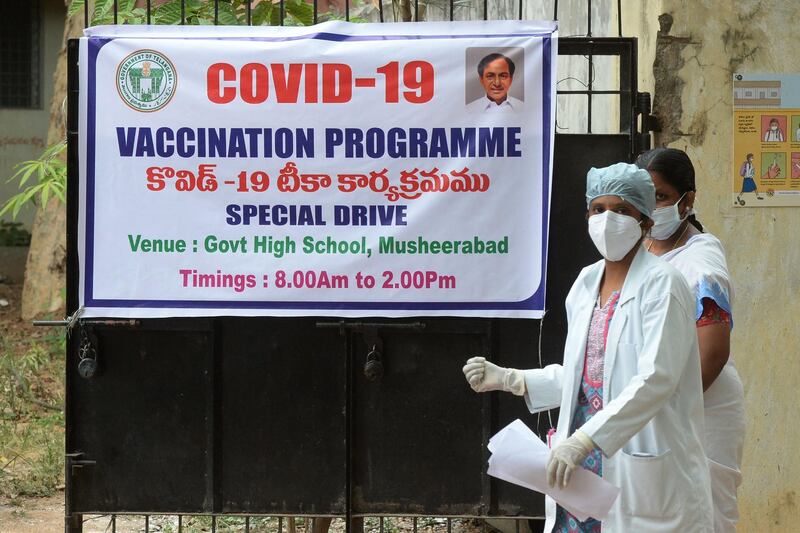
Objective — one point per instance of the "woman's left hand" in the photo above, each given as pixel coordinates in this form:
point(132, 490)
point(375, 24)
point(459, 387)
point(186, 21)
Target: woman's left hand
point(566, 457)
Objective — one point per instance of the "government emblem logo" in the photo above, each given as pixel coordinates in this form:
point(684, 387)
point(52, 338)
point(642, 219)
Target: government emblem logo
point(146, 80)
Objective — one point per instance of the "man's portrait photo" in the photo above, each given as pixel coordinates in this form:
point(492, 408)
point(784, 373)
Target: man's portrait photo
point(494, 81)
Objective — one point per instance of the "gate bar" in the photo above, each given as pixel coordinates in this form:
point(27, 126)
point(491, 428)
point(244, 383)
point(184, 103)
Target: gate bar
point(342, 324)
point(72, 522)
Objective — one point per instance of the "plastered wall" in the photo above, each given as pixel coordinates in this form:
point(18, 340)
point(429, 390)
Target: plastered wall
point(701, 44)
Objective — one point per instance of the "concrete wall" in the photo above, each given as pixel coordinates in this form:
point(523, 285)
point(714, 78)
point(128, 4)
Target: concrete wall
point(23, 132)
point(693, 64)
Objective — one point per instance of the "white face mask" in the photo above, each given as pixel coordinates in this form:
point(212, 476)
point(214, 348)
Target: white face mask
point(667, 220)
point(613, 234)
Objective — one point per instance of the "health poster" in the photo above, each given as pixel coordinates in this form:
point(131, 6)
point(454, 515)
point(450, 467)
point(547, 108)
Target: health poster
point(766, 140)
point(338, 170)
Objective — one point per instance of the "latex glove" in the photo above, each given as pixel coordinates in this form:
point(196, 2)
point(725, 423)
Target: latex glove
point(484, 376)
point(566, 457)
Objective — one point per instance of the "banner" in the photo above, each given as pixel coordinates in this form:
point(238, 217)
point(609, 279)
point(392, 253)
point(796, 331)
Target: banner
point(766, 140)
point(342, 169)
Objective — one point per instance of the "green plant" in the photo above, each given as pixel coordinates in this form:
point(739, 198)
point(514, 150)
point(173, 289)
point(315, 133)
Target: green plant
point(50, 174)
point(199, 12)
point(31, 417)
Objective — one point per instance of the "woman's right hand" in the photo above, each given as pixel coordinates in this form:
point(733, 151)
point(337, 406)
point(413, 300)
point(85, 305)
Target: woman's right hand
point(484, 376)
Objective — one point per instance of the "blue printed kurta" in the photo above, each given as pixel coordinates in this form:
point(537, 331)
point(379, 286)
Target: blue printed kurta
point(590, 401)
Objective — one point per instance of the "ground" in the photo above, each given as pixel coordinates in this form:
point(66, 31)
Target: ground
point(45, 515)
point(31, 421)
point(33, 515)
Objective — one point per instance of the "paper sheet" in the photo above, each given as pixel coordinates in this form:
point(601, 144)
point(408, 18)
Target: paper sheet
point(520, 457)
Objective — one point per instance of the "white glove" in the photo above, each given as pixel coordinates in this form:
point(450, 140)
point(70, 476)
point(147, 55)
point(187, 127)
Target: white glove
point(566, 457)
point(484, 376)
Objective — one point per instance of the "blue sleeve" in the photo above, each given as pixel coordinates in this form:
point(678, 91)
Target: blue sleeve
point(707, 288)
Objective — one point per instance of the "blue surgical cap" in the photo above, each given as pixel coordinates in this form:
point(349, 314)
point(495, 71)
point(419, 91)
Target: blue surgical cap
point(629, 182)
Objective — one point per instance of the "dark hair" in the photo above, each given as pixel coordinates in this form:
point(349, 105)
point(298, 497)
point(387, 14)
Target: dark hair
point(674, 167)
point(494, 57)
point(748, 156)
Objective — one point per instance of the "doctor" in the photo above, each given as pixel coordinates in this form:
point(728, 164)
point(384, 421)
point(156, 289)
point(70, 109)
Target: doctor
point(630, 388)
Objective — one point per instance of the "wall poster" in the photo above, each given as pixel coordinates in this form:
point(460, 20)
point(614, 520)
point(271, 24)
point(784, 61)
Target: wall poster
point(766, 140)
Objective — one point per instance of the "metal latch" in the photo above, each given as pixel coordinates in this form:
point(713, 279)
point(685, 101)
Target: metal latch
point(74, 462)
point(373, 365)
point(87, 349)
point(87, 321)
point(344, 325)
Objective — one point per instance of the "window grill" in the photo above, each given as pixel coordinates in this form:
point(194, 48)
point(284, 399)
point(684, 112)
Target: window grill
point(20, 54)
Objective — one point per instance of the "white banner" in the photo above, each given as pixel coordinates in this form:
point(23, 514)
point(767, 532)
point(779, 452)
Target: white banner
point(341, 170)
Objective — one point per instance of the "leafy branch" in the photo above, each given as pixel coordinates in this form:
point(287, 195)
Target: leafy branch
point(199, 12)
point(50, 174)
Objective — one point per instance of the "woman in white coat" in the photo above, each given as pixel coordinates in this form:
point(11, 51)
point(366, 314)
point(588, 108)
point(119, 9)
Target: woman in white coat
point(629, 388)
point(678, 238)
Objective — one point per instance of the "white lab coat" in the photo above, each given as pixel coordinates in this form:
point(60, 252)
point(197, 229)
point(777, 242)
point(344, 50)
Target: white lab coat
point(651, 425)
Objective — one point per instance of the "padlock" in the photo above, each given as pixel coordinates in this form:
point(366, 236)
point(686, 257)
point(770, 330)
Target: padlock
point(373, 368)
point(87, 368)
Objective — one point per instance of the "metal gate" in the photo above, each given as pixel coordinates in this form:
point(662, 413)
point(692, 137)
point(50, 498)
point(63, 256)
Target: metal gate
point(317, 416)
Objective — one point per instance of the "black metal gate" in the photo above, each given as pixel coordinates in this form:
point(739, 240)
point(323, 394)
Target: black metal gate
point(316, 416)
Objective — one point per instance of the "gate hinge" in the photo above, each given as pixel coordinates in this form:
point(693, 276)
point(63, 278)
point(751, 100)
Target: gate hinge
point(650, 122)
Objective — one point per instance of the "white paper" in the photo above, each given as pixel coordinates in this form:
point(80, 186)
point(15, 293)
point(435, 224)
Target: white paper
point(520, 457)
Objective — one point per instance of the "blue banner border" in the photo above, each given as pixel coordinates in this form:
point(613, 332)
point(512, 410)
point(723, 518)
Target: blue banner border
point(533, 303)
